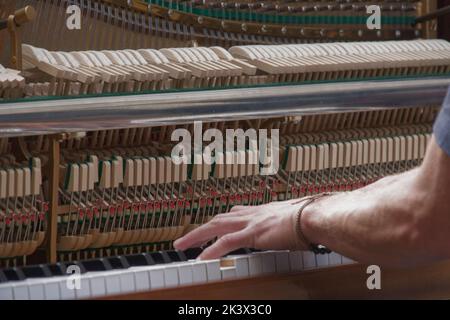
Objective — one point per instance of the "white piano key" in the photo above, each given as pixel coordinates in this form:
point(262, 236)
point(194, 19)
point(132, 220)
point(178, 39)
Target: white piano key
point(112, 283)
point(255, 265)
point(185, 275)
point(296, 260)
point(66, 292)
point(97, 284)
point(6, 292)
point(309, 260)
point(346, 260)
point(228, 273)
point(213, 270)
point(52, 291)
point(20, 291)
point(171, 276)
point(199, 272)
point(282, 261)
point(36, 290)
point(241, 265)
point(84, 291)
point(335, 259)
point(322, 260)
point(142, 280)
point(156, 277)
point(268, 262)
point(127, 281)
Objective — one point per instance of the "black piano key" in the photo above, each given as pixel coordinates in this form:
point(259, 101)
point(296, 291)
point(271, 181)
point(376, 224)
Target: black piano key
point(141, 259)
point(3, 277)
point(242, 251)
point(76, 263)
point(96, 264)
point(118, 262)
point(176, 255)
point(159, 257)
point(192, 253)
point(13, 274)
point(167, 258)
point(57, 269)
point(36, 271)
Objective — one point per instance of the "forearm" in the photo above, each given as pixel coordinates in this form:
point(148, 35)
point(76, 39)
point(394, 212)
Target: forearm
point(399, 220)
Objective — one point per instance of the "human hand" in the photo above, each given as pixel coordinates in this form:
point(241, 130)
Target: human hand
point(269, 226)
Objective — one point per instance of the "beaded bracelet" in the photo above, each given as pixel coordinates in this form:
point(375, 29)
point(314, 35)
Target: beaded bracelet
point(316, 248)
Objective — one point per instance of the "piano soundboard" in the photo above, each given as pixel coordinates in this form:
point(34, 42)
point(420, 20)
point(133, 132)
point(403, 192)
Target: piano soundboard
point(87, 120)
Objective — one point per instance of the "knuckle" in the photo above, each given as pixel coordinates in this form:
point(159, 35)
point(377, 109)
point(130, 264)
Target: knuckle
point(228, 240)
point(218, 217)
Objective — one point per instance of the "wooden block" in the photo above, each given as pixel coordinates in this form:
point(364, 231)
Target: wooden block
point(105, 177)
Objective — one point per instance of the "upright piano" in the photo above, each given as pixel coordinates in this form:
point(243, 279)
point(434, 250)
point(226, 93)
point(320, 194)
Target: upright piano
point(91, 113)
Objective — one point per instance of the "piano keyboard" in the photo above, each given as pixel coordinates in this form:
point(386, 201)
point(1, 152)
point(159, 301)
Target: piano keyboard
point(120, 275)
point(95, 72)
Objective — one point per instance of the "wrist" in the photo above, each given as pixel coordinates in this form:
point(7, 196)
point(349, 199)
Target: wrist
point(313, 223)
point(306, 225)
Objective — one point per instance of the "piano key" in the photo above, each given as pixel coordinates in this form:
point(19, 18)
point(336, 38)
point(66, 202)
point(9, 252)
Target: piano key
point(84, 292)
point(36, 271)
point(112, 282)
point(52, 289)
point(97, 284)
point(185, 273)
point(309, 260)
point(20, 291)
point(127, 283)
point(173, 256)
point(199, 273)
point(296, 260)
point(95, 265)
point(66, 293)
point(322, 260)
point(255, 265)
point(171, 277)
point(13, 274)
point(36, 289)
point(228, 272)
point(142, 280)
point(3, 277)
point(213, 270)
point(268, 262)
point(192, 253)
point(79, 266)
point(157, 277)
point(118, 262)
point(282, 261)
point(57, 269)
point(6, 292)
point(159, 257)
point(141, 259)
point(346, 260)
point(335, 259)
point(239, 262)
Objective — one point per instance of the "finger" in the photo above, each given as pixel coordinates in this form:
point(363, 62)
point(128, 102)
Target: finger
point(215, 228)
point(225, 244)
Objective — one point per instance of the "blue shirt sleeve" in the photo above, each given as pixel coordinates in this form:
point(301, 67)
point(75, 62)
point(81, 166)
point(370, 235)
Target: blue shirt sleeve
point(441, 127)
